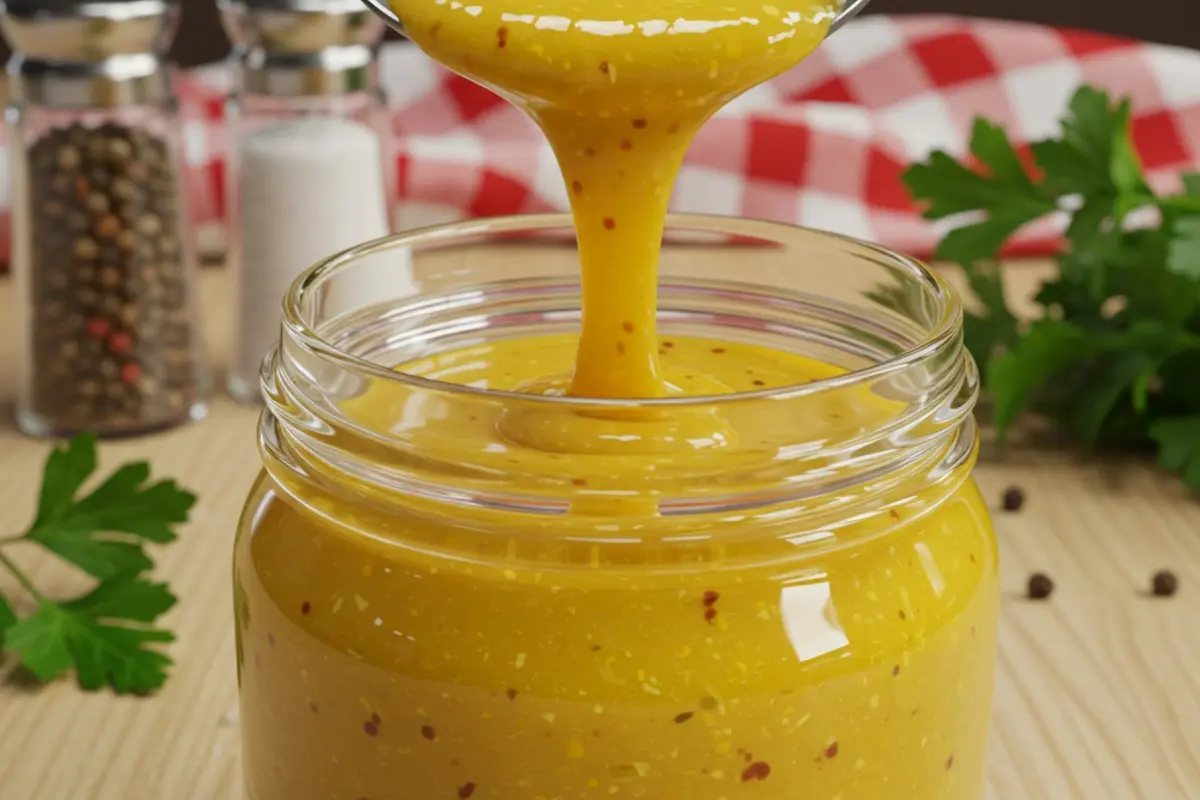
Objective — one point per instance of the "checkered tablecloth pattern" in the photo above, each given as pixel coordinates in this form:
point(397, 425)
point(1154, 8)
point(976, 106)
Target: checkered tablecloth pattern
point(823, 145)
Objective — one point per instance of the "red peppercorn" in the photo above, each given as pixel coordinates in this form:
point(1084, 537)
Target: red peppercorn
point(131, 372)
point(120, 342)
point(97, 328)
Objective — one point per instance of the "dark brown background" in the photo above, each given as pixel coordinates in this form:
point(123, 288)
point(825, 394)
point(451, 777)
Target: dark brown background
point(1175, 21)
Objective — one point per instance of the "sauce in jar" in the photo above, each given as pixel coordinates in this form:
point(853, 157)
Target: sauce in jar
point(372, 668)
point(635, 632)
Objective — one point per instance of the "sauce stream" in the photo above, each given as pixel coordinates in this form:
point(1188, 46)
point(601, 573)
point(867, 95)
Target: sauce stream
point(619, 101)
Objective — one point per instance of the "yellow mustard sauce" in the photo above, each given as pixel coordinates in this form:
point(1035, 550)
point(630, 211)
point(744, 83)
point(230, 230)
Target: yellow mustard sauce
point(619, 89)
point(415, 652)
point(371, 669)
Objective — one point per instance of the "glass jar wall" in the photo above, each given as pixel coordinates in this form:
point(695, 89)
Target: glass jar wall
point(780, 580)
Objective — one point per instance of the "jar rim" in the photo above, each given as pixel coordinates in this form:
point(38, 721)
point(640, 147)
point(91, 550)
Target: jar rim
point(943, 333)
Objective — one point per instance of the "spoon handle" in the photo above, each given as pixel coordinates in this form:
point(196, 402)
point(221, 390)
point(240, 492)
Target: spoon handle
point(849, 10)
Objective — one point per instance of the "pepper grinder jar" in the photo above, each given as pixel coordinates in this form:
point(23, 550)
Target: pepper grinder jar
point(313, 167)
point(109, 339)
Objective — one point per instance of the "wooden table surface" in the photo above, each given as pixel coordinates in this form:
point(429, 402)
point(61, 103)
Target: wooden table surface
point(1098, 692)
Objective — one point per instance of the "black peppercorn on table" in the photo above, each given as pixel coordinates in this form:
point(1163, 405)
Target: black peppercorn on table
point(1096, 691)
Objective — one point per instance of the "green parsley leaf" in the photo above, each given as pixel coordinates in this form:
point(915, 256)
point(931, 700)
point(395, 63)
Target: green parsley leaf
point(40, 642)
point(1183, 254)
point(107, 636)
point(1178, 441)
point(1005, 192)
point(8, 617)
point(1048, 348)
point(994, 328)
point(1112, 381)
point(102, 649)
point(1191, 184)
point(103, 532)
point(1094, 154)
point(1113, 357)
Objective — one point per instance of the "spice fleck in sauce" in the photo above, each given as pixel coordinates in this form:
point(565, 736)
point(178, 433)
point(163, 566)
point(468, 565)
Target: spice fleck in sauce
point(373, 668)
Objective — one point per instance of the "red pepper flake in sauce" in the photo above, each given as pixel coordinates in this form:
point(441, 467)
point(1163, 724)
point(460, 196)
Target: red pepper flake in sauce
point(313, 707)
point(832, 750)
point(604, 67)
point(709, 615)
point(626, 144)
point(577, 187)
point(271, 639)
point(758, 771)
point(903, 616)
point(305, 608)
point(429, 733)
point(894, 514)
point(511, 694)
point(501, 37)
point(668, 345)
point(896, 671)
point(950, 762)
point(639, 123)
point(711, 598)
point(672, 128)
point(434, 29)
point(718, 351)
point(591, 151)
point(620, 348)
point(609, 223)
point(465, 791)
point(579, 481)
point(595, 648)
point(684, 717)
point(627, 327)
point(371, 726)
point(760, 383)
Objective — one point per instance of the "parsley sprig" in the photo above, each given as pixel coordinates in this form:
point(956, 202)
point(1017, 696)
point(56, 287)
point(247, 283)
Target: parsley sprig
point(106, 635)
point(1113, 357)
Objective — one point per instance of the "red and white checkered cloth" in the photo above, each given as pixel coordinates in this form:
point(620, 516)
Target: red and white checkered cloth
point(823, 145)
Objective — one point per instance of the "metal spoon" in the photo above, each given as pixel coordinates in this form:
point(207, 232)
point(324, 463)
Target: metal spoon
point(849, 11)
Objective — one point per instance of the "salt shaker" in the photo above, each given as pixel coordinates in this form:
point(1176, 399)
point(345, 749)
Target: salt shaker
point(311, 160)
point(103, 269)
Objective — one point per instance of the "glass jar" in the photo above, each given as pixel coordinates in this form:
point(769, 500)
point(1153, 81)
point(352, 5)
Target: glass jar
point(311, 155)
point(470, 591)
point(102, 260)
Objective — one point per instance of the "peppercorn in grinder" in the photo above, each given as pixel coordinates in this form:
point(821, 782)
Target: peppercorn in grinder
point(102, 263)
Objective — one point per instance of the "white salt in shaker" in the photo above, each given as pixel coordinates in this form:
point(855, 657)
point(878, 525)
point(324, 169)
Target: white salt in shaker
point(312, 169)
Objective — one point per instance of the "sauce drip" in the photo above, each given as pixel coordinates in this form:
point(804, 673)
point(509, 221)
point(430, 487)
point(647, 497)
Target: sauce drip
point(619, 100)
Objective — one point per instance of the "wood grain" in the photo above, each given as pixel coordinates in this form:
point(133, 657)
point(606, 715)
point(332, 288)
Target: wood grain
point(1098, 695)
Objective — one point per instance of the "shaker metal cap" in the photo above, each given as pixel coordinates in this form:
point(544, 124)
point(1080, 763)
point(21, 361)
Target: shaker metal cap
point(72, 53)
point(93, 9)
point(88, 32)
point(310, 6)
point(303, 47)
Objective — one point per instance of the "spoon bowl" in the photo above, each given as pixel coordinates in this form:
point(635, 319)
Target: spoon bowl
point(849, 10)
